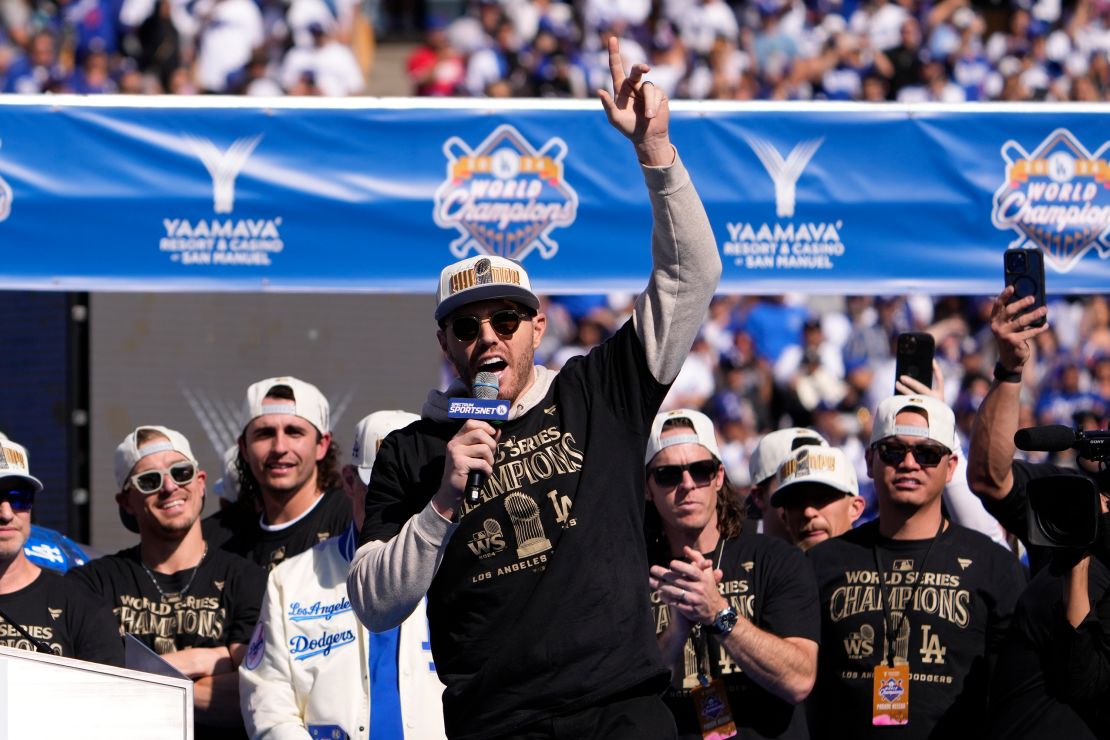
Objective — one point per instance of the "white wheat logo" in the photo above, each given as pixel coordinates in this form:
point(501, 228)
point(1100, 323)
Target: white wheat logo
point(784, 172)
point(224, 167)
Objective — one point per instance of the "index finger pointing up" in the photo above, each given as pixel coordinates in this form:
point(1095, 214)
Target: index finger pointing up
point(616, 66)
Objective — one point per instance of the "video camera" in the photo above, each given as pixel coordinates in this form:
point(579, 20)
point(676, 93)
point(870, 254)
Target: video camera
point(1064, 510)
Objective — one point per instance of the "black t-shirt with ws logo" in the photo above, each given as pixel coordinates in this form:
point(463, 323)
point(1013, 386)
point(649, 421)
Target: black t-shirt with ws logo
point(540, 604)
point(220, 607)
point(955, 616)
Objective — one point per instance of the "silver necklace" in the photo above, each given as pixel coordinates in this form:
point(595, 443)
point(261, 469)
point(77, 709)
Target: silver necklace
point(175, 598)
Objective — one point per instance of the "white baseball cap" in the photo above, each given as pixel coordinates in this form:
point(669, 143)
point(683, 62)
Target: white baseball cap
point(370, 432)
point(129, 452)
point(814, 465)
point(775, 447)
point(227, 487)
point(482, 278)
point(307, 402)
point(15, 463)
point(702, 433)
point(941, 420)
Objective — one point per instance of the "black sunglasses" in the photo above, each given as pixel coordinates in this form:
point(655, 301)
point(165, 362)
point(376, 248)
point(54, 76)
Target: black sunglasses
point(151, 481)
point(504, 322)
point(20, 499)
point(927, 456)
point(669, 476)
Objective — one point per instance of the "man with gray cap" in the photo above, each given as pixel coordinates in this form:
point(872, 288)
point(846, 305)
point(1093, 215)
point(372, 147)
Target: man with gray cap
point(192, 604)
point(772, 451)
point(540, 625)
point(913, 607)
point(39, 610)
point(288, 465)
point(301, 675)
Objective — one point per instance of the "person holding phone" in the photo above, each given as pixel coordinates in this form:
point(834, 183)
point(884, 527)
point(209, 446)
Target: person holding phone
point(913, 606)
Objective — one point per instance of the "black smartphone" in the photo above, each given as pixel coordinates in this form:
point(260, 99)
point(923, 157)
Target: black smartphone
point(915, 357)
point(1025, 271)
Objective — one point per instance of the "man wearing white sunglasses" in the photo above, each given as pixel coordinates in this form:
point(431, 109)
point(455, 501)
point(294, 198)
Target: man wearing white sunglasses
point(195, 606)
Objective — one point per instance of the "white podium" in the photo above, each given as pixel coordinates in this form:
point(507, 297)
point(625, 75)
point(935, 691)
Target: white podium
point(45, 696)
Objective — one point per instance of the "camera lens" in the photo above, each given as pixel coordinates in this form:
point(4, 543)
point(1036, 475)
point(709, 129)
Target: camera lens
point(1015, 262)
point(910, 343)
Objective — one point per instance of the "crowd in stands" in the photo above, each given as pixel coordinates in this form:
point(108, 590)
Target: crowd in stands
point(875, 50)
point(766, 363)
point(871, 50)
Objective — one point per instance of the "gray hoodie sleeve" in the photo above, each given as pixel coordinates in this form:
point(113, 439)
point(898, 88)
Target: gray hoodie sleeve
point(686, 268)
point(388, 579)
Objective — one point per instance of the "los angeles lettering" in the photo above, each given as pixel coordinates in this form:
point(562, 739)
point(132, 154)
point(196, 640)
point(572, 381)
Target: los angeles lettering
point(522, 565)
point(318, 610)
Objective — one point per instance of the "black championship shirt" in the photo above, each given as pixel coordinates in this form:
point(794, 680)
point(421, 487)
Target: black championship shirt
point(71, 621)
point(768, 582)
point(541, 602)
point(956, 614)
point(219, 608)
point(237, 529)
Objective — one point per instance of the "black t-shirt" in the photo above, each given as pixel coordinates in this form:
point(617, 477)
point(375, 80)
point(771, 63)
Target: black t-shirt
point(219, 608)
point(541, 603)
point(768, 582)
point(1024, 702)
point(955, 619)
point(237, 529)
point(70, 620)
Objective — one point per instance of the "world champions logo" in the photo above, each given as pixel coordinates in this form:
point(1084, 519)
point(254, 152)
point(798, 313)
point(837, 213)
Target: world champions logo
point(504, 196)
point(1056, 198)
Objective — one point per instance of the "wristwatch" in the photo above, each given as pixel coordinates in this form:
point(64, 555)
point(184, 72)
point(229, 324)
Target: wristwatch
point(723, 623)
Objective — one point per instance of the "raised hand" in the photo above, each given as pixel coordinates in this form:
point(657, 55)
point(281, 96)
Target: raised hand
point(1012, 330)
point(639, 110)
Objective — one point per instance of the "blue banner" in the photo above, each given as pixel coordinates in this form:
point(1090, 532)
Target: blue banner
point(378, 195)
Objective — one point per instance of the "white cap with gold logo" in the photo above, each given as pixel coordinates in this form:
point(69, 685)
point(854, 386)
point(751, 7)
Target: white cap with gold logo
point(14, 463)
point(482, 278)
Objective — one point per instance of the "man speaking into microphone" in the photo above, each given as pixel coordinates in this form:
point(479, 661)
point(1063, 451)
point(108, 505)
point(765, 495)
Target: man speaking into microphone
point(538, 602)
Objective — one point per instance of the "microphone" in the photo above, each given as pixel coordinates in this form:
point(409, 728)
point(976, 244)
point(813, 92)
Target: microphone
point(1091, 445)
point(1051, 438)
point(486, 387)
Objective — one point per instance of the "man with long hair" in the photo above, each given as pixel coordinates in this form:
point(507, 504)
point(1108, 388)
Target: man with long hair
point(736, 613)
point(288, 467)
